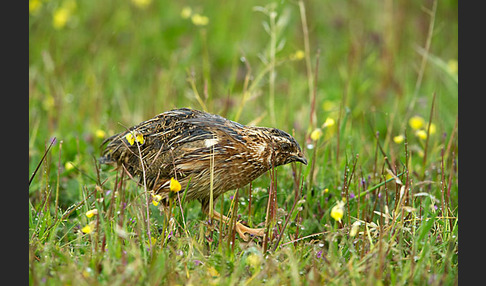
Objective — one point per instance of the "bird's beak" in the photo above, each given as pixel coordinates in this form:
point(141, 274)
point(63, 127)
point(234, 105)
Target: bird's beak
point(300, 158)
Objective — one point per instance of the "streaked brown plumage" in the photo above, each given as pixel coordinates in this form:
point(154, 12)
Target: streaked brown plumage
point(181, 143)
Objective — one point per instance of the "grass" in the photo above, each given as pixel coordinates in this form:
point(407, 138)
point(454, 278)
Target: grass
point(368, 66)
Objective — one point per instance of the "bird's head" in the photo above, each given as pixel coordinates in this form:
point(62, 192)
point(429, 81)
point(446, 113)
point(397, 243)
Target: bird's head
point(285, 148)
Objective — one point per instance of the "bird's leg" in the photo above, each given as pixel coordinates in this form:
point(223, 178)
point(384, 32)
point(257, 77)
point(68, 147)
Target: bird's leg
point(240, 228)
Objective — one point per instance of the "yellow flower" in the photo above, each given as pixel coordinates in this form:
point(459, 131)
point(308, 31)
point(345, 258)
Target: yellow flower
point(326, 190)
point(316, 134)
point(156, 199)
point(60, 17)
point(138, 138)
point(89, 228)
point(298, 55)
point(69, 166)
point(452, 66)
point(416, 122)
point(398, 139)
point(186, 12)
point(328, 123)
point(337, 212)
point(175, 186)
point(100, 133)
point(422, 134)
point(130, 138)
point(142, 3)
point(199, 20)
point(91, 213)
point(34, 6)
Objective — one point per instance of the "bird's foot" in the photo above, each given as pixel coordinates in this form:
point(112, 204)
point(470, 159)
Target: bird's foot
point(243, 230)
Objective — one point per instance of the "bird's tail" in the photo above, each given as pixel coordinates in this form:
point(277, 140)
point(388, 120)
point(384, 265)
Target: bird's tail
point(107, 151)
point(106, 160)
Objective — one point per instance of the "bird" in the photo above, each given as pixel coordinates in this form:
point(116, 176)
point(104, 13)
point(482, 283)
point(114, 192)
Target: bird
point(201, 151)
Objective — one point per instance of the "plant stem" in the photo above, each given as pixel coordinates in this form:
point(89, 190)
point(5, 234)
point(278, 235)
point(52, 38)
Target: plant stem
point(272, 74)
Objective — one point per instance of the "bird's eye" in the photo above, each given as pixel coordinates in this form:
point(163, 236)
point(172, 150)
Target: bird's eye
point(285, 147)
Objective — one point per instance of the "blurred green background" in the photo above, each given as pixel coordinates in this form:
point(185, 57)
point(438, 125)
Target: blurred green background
point(123, 62)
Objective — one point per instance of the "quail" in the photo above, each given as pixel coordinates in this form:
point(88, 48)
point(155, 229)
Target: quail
point(193, 146)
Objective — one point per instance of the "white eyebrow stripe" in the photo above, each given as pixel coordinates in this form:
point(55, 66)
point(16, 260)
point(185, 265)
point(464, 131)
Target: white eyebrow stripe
point(210, 142)
point(261, 149)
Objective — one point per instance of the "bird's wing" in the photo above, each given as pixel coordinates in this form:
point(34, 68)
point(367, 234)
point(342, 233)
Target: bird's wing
point(172, 137)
